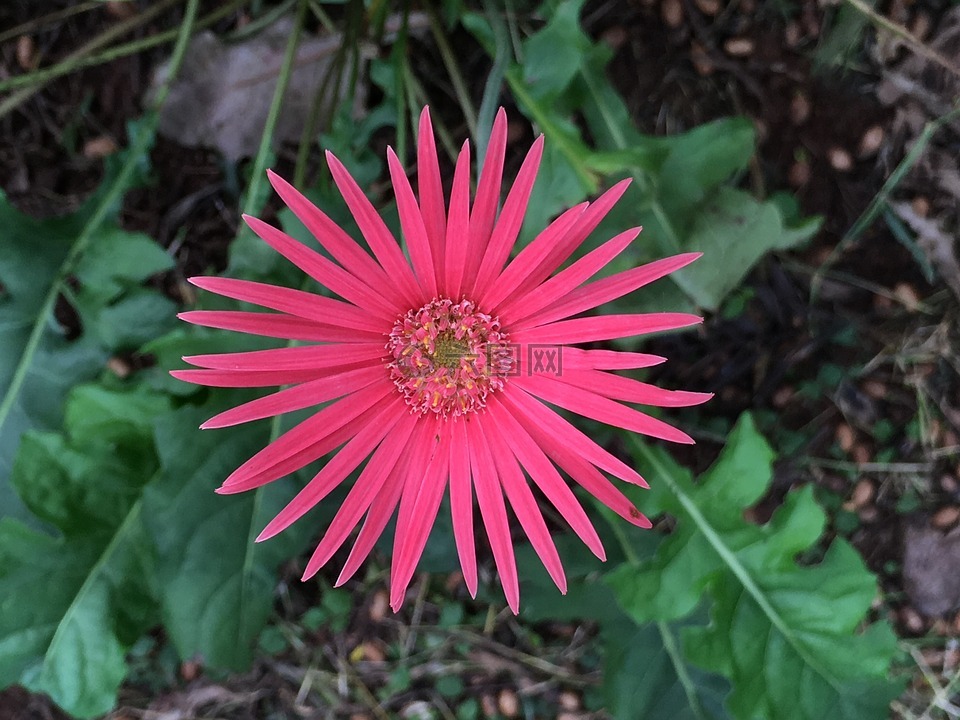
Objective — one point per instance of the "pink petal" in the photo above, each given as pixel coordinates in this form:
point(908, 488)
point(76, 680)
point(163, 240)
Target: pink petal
point(249, 378)
point(458, 226)
point(419, 505)
point(494, 513)
point(310, 439)
point(523, 503)
point(511, 218)
point(335, 471)
point(375, 232)
point(331, 236)
point(507, 281)
point(577, 359)
point(545, 475)
point(461, 504)
point(317, 308)
point(488, 194)
point(298, 397)
point(603, 327)
point(570, 458)
point(588, 222)
point(629, 390)
point(589, 404)
point(389, 455)
point(301, 357)
point(522, 406)
point(276, 325)
point(384, 504)
point(431, 191)
point(520, 305)
point(324, 271)
point(608, 289)
point(413, 228)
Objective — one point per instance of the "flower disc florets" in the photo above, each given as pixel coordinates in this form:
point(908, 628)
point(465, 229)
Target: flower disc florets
point(448, 357)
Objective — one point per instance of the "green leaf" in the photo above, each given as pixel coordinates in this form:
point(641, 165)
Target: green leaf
point(734, 231)
point(787, 636)
point(546, 71)
point(216, 584)
point(644, 674)
point(38, 363)
point(70, 640)
point(118, 260)
point(31, 252)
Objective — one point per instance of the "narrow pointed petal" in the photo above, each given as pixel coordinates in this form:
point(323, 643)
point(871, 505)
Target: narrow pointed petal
point(276, 325)
point(608, 289)
point(249, 378)
point(456, 244)
point(546, 477)
point(632, 391)
point(520, 304)
point(577, 359)
point(334, 472)
point(484, 214)
point(302, 444)
point(524, 505)
point(589, 404)
point(505, 233)
point(418, 511)
point(413, 228)
point(603, 327)
point(521, 405)
point(301, 357)
point(375, 232)
point(324, 271)
point(589, 221)
point(298, 397)
point(575, 464)
point(387, 456)
point(431, 191)
point(331, 236)
point(373, 525)
point(508, 280)
point(461, 505)
point(312, 307)
point(494, 513)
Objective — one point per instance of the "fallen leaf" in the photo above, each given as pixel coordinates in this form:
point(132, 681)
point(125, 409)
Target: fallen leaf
point(930, 569)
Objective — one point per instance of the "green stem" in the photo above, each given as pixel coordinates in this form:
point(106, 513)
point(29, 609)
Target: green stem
point(138, 147)
point(250, 206)
point(453, 70)
point(680, 667)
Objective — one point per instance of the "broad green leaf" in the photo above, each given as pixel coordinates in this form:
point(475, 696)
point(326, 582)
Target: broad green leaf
point(216, 584)
point(31, 252)
point(787, 636)
point(70, 639)
point(553, 56)
point(38, 363)
point(644, 674)
point(118, 260)
point(734, 231)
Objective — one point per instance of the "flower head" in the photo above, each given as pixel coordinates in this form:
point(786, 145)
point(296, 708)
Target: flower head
point(437, 372)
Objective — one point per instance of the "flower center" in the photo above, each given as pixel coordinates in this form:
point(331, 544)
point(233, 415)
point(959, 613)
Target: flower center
point(448, 357)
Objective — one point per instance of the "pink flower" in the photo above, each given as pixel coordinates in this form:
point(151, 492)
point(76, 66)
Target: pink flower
point(438, 371)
